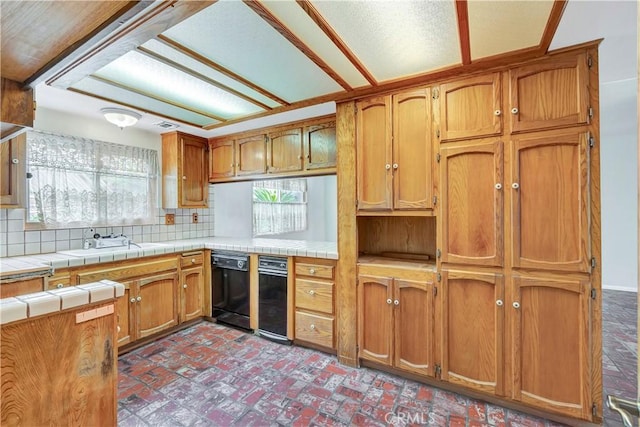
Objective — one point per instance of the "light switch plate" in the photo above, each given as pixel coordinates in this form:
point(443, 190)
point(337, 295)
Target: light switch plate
point(169, 219)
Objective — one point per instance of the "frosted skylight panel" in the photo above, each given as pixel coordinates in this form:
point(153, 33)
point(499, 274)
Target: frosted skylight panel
point(394, 39)
point(143, 73)
point(197, 66)
point(297, 20)
point(101, 89)
point(501, 26)
point(232, 35)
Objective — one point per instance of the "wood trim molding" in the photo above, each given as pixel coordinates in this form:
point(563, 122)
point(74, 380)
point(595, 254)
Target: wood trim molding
point(277, 25)
point(552, 25)
point(319, 20)
point(206, 61)
point(195, 74)
point(463, 30)
point(275, 128)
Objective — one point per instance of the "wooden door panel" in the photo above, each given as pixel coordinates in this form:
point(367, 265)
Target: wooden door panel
point(473, 325)
point(471, 184)
point(126, 315)
point(192, 293)
point(320, 146)
point(195, 189)
point(375, 318)
point(551, 345)
point(551, 201)
point(158, 305)
point(221, 160)
point(549, 94)
point(413, 326)
point(373, 140)
point(285, 151)
point(12, 171)
point(251, 155)
point(412, 150)
point(471, 108)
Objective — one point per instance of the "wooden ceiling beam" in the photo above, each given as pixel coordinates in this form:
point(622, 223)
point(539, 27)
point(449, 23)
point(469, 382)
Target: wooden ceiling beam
point(155, 18)
point(277, 25)
point(319, 20)
point(157, 57)
point(552, 25)
point(157, 98)
point(462, 12)
point(208, 62)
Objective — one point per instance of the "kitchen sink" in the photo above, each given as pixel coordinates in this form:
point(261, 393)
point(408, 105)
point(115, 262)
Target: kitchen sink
point(94, 251)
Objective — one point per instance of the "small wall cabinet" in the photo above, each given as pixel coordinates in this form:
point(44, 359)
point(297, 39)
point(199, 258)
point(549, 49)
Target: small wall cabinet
point(184, 171)
point(13, 158)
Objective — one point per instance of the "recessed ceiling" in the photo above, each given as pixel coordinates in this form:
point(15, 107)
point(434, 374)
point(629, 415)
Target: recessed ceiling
point(212, 65)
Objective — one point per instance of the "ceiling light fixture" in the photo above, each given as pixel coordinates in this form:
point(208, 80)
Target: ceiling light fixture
point(120, 117)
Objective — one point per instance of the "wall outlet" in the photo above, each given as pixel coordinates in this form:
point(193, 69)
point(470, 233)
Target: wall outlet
point(170, 219)
point(194, 218)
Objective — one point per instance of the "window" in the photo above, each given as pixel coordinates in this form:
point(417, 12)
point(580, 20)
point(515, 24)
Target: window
point(78, 182)
point(279, 206)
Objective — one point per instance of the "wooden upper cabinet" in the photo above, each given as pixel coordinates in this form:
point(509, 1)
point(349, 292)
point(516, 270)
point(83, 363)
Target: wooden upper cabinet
point(473, 330)
point(251, 155)
point(374, 154)
point(412, 150)
point(551, 354)
point(550, 201)
point(471, 108)
point(375, 296)
point(184, 171)
point(471, 199)
point(549, 94)
point(222, 158)
point(320, 146)
point(284, 151)
point(13, 159)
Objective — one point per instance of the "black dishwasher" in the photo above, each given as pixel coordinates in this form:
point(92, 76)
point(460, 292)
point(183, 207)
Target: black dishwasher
point(272, 297)
point(230, 288)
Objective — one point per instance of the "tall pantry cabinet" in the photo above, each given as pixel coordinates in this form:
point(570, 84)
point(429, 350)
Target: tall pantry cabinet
point(504, 193)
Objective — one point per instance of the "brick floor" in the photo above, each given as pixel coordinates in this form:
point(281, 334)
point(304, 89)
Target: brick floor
point(210, 375)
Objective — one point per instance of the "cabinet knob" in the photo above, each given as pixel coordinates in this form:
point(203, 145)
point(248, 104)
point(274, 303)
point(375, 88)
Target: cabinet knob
point(132, 300)
point(499, 303)
point(193, 260)
point(395, 166)
point(497, 112)
point(515, 185)
point(389, 301)
point(299, 157)
point(139, 299)
point(184, 177)
point(184, 286)
point(118, 329)
point(312, 292)
point(312, 271)
point(498, 186)
point(60, 285)
point(231, 165)
point(514, 110)
point(387, 166)
point(15, 161)
point(516, 304)
point(396, 302)
point(312, 327)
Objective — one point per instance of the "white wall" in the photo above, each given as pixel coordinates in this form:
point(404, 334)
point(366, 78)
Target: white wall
point(619, 169)
point(233, 213)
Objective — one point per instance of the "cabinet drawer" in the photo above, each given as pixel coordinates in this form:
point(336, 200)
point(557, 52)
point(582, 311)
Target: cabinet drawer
point(314, 270)
point(313, 295)
point(314, 328)
point(58, 281)
point(188, 260)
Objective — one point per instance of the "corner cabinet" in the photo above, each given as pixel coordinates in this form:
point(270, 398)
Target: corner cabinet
point(13, 158)
point(320, 146)
point(394, 152)
point(184, 171)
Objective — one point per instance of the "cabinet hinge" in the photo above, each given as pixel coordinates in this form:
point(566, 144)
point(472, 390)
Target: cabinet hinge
point(594, 410)
point(593, 293)
point(438, 133)
point(592, 141)
point(439, 277)
point(589, 61)
point(437, 371)
point(438, 253)
point(438, 157)
point(435, 94)
point(590, 113)
point(594, 263)
point(435, 200)
point(435, 291)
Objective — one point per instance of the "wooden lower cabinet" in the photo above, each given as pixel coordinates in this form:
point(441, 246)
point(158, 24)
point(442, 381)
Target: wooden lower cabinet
point(191, 293)
point(551, 345)
point(396, 318)
point(125, 312)
point(473, 330)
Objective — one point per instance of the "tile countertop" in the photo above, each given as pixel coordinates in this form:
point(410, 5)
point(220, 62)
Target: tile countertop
point(44, 264)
